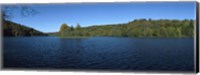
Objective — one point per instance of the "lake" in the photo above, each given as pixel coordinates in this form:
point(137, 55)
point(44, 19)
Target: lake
point(99, 53)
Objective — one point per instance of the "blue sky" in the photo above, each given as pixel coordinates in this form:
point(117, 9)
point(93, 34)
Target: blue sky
point(51, 16)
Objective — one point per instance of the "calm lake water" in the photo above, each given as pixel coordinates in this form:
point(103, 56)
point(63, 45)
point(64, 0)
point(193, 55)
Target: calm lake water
point(108, 53)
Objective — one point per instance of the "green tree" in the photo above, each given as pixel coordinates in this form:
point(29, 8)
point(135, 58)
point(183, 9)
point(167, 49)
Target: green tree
point(78, 30)
point(78, 27)
point(71, 28)
point(63, 28)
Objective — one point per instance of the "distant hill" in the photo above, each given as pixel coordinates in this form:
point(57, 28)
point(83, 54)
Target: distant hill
point(14, 29)
point(138, 28)
point(53, 33)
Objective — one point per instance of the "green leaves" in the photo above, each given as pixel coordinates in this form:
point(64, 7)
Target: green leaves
point(137, 28)
point(14, 29)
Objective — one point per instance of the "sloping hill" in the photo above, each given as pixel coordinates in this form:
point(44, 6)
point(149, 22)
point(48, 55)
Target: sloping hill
point(14, 29)
point(137, 28)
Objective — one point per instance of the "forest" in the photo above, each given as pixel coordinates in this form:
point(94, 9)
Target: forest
point(137, 28)
point(13, 29)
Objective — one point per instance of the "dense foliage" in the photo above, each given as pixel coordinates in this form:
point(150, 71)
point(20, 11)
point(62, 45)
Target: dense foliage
point(14, 29)
point(136, 28)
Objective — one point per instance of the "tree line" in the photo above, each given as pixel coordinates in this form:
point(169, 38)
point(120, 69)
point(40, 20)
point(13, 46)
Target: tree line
point(13, 29)
point(136, 28)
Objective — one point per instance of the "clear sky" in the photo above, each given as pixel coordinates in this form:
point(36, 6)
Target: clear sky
point(51, 16)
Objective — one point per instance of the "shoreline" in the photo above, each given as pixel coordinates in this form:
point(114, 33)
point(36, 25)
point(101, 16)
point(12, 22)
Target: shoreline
point(79, 37)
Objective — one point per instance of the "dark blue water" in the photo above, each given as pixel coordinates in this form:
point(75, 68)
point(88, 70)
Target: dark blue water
point(108, 53)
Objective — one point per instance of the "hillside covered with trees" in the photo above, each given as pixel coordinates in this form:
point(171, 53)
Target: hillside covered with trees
point(14, 29)
point(137, 28)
